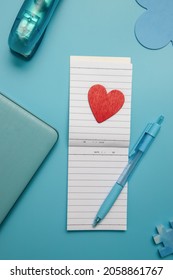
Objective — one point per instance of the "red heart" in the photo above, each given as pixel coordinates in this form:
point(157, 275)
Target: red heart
point(104, 105)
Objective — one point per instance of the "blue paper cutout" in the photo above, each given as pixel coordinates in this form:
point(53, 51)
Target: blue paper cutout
point(154, 29)
point(165, 236)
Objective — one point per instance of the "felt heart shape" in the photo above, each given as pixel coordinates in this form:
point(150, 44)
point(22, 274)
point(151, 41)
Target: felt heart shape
point(104, 105)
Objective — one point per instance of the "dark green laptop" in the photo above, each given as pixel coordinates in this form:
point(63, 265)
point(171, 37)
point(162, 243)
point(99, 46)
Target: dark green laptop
point(25, 141)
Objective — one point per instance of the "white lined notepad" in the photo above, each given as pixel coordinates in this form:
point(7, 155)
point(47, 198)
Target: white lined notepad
point(97, 152)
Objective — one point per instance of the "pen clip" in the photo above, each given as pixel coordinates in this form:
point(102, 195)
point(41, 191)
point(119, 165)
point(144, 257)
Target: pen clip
point(152, 129)
point(141, 138)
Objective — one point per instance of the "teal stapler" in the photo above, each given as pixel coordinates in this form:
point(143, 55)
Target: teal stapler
point(30, 25)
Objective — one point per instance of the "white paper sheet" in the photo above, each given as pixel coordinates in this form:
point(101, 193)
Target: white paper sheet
point(98, 152)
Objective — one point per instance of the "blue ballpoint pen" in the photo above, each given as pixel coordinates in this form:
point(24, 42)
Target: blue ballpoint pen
point(135, 155)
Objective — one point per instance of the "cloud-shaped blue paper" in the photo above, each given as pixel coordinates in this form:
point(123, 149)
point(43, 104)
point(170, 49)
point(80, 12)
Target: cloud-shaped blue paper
point(154, 29)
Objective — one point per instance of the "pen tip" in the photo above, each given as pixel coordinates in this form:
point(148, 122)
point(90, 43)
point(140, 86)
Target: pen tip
point(160, 119)
point(96, 221)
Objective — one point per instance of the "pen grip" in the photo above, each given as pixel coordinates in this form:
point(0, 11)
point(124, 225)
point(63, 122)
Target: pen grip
point(109, 201)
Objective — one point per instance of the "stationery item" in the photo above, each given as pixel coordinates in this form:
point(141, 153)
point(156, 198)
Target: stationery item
point(97, 152)
point(25, 141)
point(136, 154)
point(165, 237)
point(154, 29)
point(30, 25)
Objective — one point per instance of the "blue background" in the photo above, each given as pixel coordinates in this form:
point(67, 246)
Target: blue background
point(36, 227)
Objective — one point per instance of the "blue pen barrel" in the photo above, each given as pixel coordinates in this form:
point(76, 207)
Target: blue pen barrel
point(122, 180)
point(110, 199)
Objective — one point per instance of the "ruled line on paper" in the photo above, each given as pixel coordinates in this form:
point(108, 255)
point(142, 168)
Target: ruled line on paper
point(97, 152)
